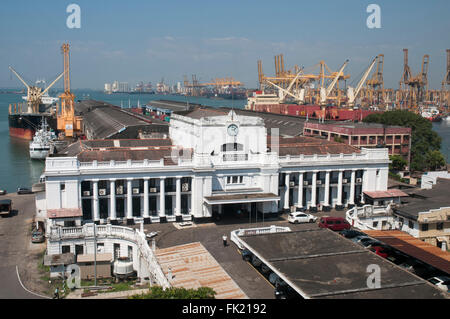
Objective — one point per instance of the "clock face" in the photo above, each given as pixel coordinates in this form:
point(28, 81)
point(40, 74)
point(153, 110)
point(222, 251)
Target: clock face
point(233, 130)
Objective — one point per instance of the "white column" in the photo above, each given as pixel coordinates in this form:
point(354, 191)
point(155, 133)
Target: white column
point(95, 201)
point(339, 190)
point(363, 185)
point(326, 198)
point(162, 195)
point(314, 189)
point(352, 188)
point(300, 190)
point(178, 197)
point(129, 198)
point(146, 208)
point(112, 199)
point(286, 193)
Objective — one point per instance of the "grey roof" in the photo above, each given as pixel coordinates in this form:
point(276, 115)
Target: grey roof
point(319, 263)
point(102, 120)
point(425, 200)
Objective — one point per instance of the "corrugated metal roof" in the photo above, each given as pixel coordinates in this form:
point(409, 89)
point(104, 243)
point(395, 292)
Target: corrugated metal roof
point(386, 194)
point(64, 212)
point(90, 257)
point(414, 247)
point(192, 266)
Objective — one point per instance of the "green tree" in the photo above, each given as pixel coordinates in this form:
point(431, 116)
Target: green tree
point(157, 292)
point(398, 163)
point(423, 138)
point(435, 160)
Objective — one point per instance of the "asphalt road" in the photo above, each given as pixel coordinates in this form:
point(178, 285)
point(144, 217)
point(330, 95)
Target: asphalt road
point(14, 246)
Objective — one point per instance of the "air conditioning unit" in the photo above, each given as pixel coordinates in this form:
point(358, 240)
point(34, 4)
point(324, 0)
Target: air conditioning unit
point(291, 184)
point(119, 190)
point(152, 190)
point(359, 180)
point(305, 183)
point(136, 190)
point(319, 182)
point(345, 181)
point(185, 187)
point(102, 192)
point(86, 193)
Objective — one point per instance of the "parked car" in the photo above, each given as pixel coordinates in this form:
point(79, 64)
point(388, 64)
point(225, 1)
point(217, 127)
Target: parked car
point(356, 239)
point(284, 291)
point(256, 261)
point(442, 282)
point(300, 217)
point(351, 233)
point(5, 207)
point(3, 192)
point(37, 237)
point(247, 255)
point(334, 223)
point(265, 269)
point(380, 251)
point(367, 242)
point(23, 190)
point(274, 279)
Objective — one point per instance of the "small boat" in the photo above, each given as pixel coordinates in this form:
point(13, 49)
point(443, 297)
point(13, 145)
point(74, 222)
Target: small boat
point(41, 145)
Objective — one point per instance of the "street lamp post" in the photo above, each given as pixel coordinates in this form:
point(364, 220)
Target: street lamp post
point(95, 255)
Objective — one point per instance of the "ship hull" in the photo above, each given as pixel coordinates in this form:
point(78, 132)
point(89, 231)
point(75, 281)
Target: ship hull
point(23, 126)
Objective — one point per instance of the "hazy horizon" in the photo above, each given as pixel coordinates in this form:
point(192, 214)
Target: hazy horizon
point(146, 41)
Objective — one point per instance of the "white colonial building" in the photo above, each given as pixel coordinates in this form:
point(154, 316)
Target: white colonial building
point(212, 165)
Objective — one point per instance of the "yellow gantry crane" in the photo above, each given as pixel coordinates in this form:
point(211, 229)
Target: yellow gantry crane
point(414, 89)
point(67, 122)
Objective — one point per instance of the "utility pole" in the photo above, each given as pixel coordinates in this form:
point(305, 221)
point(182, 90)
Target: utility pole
point(95, 255)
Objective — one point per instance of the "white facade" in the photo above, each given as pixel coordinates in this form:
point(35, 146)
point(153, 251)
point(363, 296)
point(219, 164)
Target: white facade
point(430, 178)
point(223, 164)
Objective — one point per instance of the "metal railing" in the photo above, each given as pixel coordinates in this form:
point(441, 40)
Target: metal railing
point(58, 233)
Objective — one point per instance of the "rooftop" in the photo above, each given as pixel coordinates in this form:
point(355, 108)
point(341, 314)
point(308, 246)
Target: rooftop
point(104, 120)
point(192, 266)
point(319, 263)
point(312, 145)
point(414, 247)
point(424, 200)
point(90, 258)
point(386, 194)
point(64, 213)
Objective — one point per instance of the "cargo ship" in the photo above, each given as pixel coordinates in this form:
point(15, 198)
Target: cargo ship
point(270, 103)
point(25, 118)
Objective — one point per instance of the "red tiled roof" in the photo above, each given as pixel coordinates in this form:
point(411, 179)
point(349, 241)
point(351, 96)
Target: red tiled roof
point(312, 145)
point(64, 212)
point(386, 194)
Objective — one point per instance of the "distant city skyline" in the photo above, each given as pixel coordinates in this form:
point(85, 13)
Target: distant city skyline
point(146, 41)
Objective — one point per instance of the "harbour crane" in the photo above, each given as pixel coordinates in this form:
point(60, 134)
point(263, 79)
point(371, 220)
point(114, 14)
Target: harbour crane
point(282, 93)
point(416, 85)
point(324, 93)
point(445, 93)
point(66, 119)
point(34, 93)
point(375, 85)
point(352, 93)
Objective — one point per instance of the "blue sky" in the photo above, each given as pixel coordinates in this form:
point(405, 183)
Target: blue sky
point(149, 40)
